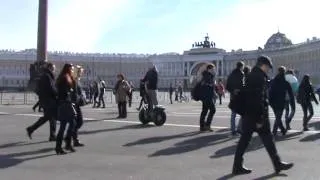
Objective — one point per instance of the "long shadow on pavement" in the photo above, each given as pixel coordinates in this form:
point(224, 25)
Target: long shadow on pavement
point(136, 126)
point(20, 143)
point(312, 137)
point(315, 124)
point(14, 159)
point(161, 138)
point(193, 144)
point(287, 137)
point(269, 176)
point(255, 144)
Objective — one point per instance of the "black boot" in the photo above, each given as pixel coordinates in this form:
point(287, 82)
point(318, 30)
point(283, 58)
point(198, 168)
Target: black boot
point(69, 146)
point(29, 132)
point(280, 166)
point(77, 143)
point(238, 168)
point(58, 149)
point(241, 170)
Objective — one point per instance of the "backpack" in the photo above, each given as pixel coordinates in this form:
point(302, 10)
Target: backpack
point(196, 92)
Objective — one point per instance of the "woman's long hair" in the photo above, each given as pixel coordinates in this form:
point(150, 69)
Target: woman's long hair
point(305, 81)
point(66, 74)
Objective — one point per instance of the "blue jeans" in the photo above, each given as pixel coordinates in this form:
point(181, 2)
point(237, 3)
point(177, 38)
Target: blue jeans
point(233, 122)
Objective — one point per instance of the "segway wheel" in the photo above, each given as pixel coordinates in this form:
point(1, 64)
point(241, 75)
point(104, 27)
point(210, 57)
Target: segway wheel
point(142, 117)
point(160, 118)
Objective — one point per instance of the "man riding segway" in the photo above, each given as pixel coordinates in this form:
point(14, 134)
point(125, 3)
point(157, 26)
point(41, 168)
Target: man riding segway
point(153, 112)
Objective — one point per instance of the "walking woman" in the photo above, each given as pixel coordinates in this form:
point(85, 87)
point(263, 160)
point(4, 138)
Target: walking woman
point(121, 91)
point(78, 100)
point(304, 97)
point(66, 111)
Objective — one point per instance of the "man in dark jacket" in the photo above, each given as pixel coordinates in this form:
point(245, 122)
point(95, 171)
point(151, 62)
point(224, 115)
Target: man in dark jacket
point(235, 82)
point(151, 81)
point(256, 118)
point(279, 89)
point(48, 99)
point(208, 93)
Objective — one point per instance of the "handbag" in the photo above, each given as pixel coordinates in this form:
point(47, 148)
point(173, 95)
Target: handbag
point(66, 111)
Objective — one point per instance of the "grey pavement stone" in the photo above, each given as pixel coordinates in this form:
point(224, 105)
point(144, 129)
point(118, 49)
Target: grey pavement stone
point(124, 149)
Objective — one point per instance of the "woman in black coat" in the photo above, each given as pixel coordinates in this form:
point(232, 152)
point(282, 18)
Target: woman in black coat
point(66, 111)
point(304, 97)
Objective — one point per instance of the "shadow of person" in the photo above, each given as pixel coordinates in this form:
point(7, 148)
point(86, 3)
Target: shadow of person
point(312, 137)
point(20, 143)
point(223, 130)
point(14, 159)
point(271, 176)
point(226, 177)
point(288, 136)
point(254, 145)
point(136, 126)
point(193, 144)
point(8, 145)
point(315, 125)
point(161, 138)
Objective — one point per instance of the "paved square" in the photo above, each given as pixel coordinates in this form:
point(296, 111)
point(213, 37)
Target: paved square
point(125, 150)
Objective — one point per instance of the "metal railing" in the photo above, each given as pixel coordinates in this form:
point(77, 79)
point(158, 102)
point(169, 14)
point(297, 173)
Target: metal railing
point(29, 98)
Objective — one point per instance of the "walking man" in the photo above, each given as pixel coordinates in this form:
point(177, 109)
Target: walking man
point(256, 118)
point(207, 86)
point(235, 82)
point(48, 100)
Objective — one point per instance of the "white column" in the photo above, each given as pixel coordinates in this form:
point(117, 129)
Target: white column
point(222, 66)
point(217, 67)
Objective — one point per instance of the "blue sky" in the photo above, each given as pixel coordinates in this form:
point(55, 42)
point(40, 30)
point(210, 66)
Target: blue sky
point(156, 26)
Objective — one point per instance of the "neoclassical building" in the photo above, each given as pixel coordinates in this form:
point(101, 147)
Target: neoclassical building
point(173, 68)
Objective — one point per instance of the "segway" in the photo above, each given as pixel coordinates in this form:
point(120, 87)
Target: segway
point(156, 115)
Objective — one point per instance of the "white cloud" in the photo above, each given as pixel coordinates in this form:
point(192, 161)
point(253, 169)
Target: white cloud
point(80, 23)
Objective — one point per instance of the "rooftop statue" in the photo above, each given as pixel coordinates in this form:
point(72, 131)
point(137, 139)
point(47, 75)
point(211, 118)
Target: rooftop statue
point(204, 44)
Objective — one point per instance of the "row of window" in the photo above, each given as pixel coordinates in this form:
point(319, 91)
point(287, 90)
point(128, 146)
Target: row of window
point(15, 82)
